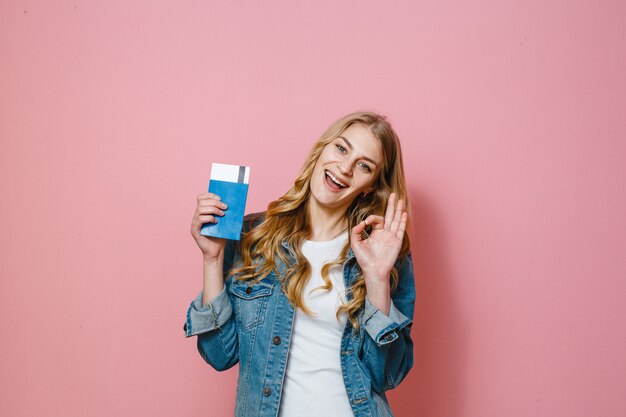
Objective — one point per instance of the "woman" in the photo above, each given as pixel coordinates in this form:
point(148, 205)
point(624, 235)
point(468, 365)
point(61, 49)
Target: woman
point(315, 302)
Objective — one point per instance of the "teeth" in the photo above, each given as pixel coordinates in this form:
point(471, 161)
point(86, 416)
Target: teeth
point(335, 180)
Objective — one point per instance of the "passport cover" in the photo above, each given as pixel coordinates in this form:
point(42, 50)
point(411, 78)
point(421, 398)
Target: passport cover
point(230, 183)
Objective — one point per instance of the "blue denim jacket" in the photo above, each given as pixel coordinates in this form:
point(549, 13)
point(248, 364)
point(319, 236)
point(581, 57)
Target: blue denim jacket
point(251, 325)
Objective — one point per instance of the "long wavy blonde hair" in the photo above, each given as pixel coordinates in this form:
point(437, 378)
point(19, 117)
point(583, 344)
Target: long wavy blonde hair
point(287, 219)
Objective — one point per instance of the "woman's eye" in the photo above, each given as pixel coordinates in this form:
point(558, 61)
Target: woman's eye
point(365, 167)
point(341, 148)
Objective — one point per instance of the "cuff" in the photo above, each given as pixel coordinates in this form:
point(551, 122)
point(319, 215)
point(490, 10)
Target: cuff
point(211, 316)
point(381, 328)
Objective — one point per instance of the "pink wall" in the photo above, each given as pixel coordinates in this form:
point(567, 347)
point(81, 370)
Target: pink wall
point(512, 117)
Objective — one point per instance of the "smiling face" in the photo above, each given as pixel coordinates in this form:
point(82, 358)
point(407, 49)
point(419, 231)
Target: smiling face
point(347, 167)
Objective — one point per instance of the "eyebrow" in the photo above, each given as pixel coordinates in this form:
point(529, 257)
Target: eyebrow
point(352, 147)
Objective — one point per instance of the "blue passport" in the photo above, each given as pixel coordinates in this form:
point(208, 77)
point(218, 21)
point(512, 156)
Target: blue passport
point(230, 183)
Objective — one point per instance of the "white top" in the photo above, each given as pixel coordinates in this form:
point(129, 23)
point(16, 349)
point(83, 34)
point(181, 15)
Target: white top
point(313, 385)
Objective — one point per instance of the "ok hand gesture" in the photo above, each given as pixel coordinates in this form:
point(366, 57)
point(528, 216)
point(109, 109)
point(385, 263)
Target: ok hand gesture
point(378, 253)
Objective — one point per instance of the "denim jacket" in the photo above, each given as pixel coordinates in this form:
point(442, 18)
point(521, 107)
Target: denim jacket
point(251, 325)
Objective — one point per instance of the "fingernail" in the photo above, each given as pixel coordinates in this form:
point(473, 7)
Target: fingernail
point(224, 205)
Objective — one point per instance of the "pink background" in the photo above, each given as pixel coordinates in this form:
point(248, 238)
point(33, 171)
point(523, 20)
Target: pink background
point(512, 118)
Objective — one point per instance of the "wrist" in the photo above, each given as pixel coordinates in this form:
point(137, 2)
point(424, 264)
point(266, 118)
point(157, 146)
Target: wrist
point(213, 260)
point(379, 278)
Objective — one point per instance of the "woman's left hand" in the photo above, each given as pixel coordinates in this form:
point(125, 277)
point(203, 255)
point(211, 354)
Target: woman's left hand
point(378, 253)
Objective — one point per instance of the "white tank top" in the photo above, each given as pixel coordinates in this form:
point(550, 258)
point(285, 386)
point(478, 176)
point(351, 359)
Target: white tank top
point(313, 384)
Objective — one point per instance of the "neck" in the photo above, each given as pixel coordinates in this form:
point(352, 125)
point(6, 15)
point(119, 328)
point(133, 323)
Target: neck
point(326, 223)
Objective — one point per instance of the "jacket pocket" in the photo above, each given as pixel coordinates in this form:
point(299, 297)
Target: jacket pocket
point(250, 302)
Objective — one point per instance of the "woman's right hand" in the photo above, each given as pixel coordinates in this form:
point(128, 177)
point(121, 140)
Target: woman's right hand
point(209, 207)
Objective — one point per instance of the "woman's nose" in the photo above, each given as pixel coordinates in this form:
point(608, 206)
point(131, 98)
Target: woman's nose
point(345, 167)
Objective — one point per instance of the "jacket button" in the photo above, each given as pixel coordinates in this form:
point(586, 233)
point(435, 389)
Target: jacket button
point(248, 290)
point(267, 391)
point(276, 340)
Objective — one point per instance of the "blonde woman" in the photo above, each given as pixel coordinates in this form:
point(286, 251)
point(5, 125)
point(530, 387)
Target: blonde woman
point(316, 301)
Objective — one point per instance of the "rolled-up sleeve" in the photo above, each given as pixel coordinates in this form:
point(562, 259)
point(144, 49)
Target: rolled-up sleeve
point(213, 315)
point(382, 328)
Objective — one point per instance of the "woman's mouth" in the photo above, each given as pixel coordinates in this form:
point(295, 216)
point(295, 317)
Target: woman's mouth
point(333, 182)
